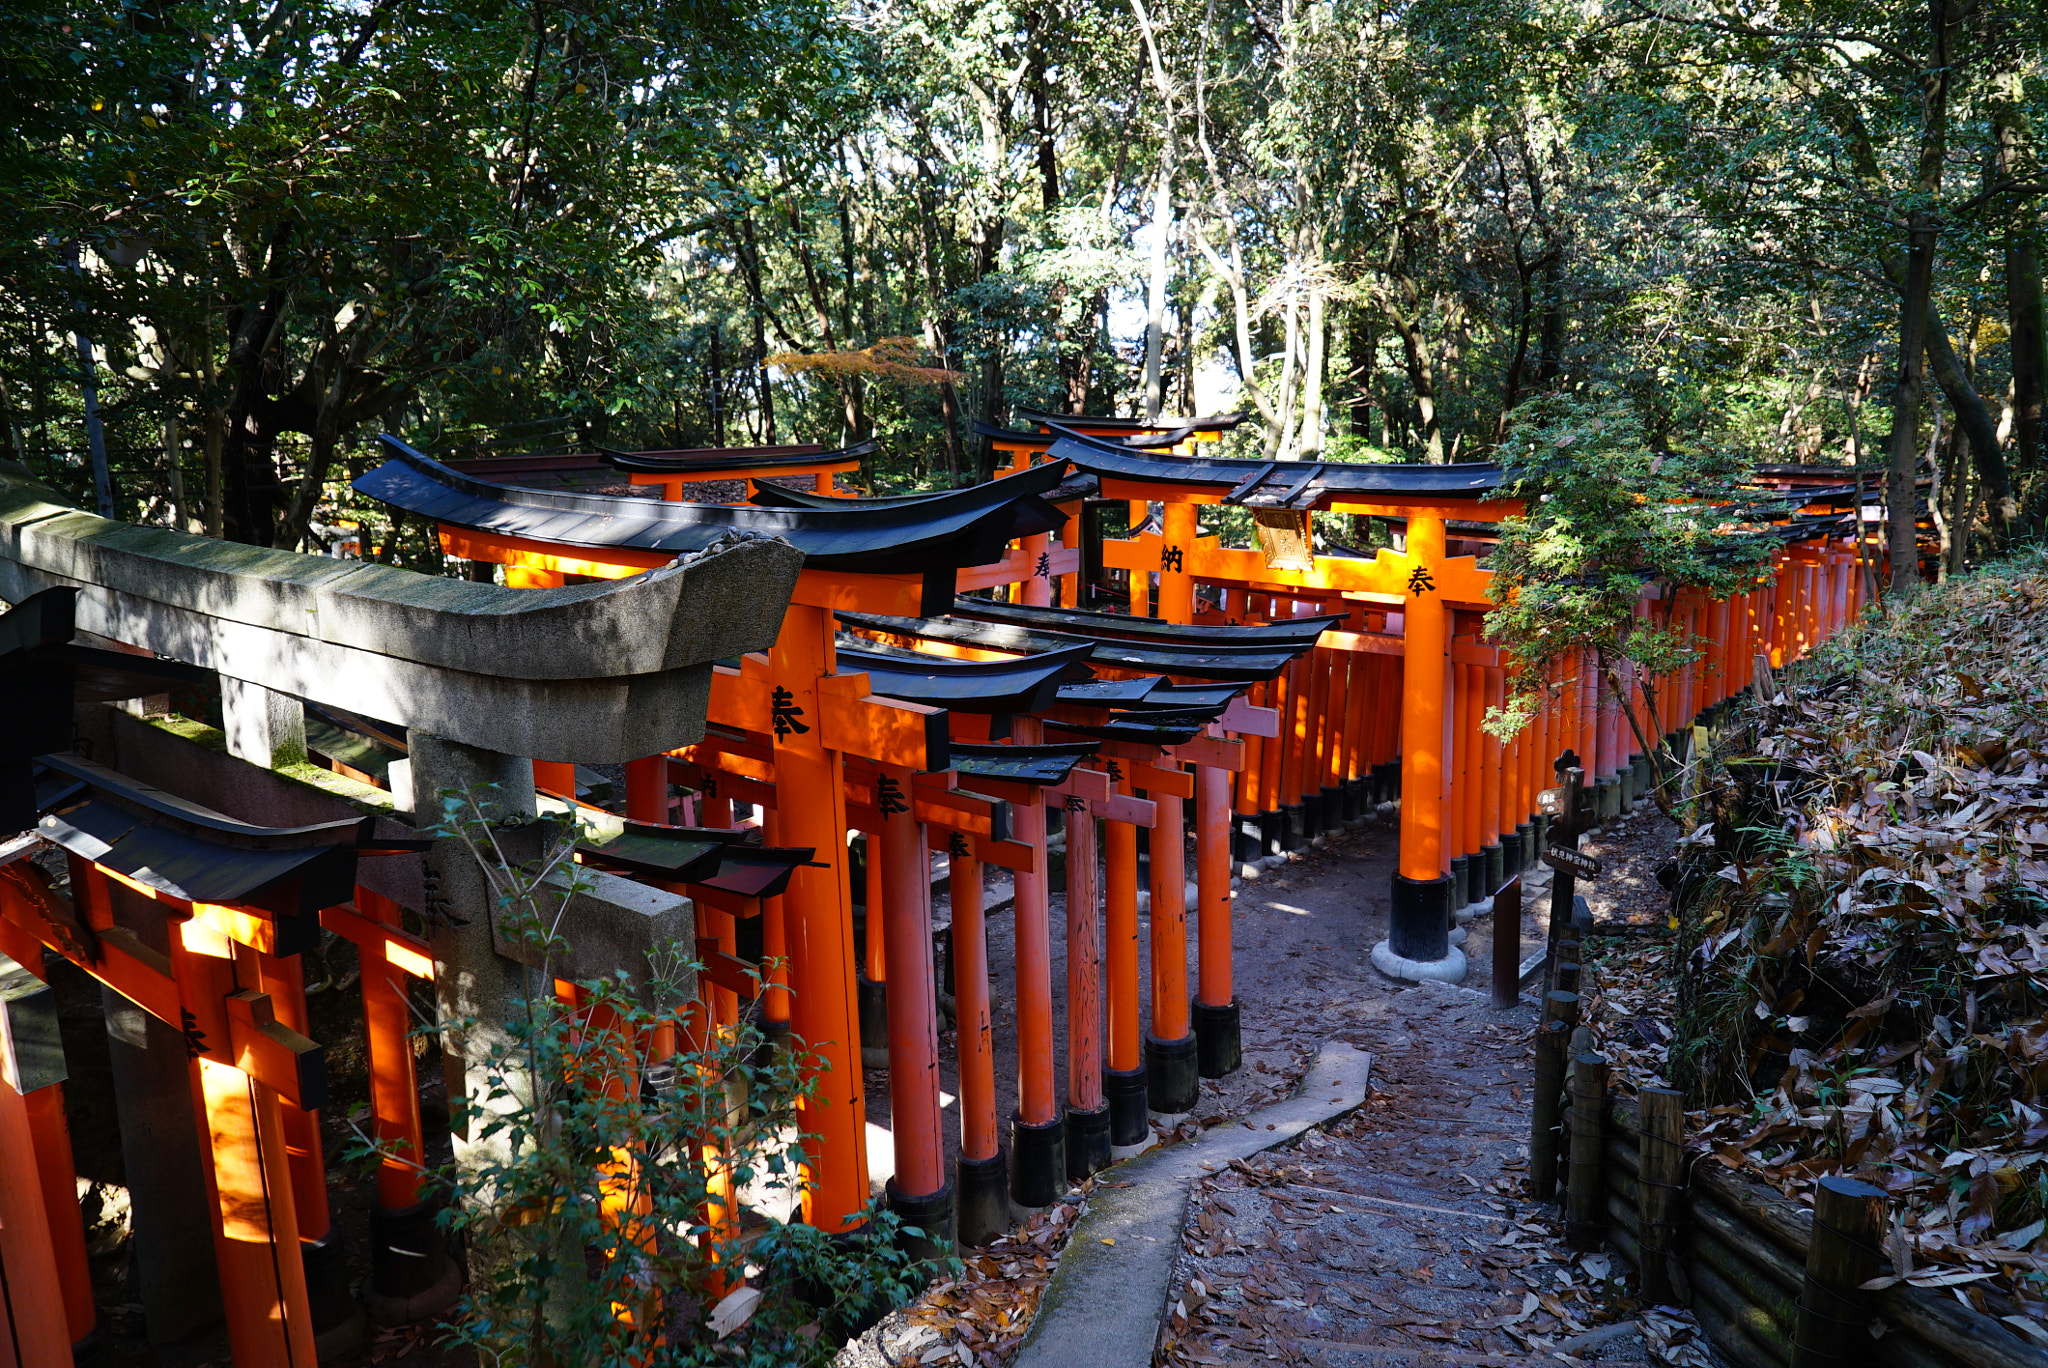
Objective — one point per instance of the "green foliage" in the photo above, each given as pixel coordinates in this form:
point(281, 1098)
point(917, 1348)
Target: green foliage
point(1604, 514)
point(601, 1196)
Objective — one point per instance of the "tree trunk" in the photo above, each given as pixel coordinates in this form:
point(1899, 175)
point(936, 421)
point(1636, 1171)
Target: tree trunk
point(854, 391)
point(216, 503)
point(1905, 445)
point(2024, 310)
point(174, 470)
point(1422, 380)
point(1311, 444)
point(1974, 421)
point(1359, 346)
point(750, 271)
point(1155, 291)
point(714, 386)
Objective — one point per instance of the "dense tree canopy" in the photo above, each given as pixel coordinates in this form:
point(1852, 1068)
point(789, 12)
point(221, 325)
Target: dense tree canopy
point(250, 235)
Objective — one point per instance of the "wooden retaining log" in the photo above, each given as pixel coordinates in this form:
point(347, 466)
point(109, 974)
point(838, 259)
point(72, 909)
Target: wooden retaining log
point(1759, 1291)
point(1759, 1339)
point(1768, 1234)
point(1660, 1193)
point(1585, 1193)
point(1841, 1255)
point(1560, 1015)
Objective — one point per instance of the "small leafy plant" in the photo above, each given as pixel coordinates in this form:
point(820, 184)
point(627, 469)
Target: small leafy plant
point(630, 1142)
point(1606, 511)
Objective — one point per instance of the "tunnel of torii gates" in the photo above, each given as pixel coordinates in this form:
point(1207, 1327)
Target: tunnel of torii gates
point(960, 750)
point(1336, 710)
point(190, 907)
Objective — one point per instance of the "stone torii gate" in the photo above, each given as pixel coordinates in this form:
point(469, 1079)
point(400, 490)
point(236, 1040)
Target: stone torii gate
point(485, 679)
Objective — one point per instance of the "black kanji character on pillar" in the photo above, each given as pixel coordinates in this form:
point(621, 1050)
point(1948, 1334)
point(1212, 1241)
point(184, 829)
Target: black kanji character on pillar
point(1044, 570)
point(1076, 803)
point(784, 712)
point(956, 845)
point(710, 789)
point(195, 1039)
point(1169, 559)
point(1116, 771)
point(892, 798)
point(1419, 581)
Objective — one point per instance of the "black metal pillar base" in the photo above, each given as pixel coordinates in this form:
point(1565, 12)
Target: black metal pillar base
point(1630, 777)
point(340, 1326)
point(1128, 1096)
point(1272, 833)
point(1510, 855)
point(981, 1206)
point(1087, 1142)
point(1496, 868)
point(1311, 817)
point(1609, 790)
point(1461, 881)
point(408, 1255)
point(1291, 832)
point(1247, 839)
point(1219, 1042)
point(1419, 927)
point(1333, 808)
point(874, 1023)
point(1525, 836)
point(1038, 1162)
point(930, 1215)
point(1539, 835)
point(1478, 889)
point(1354, 799)
point(1172, 1082)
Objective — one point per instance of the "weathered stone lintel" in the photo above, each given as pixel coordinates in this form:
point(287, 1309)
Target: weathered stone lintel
point(707, 606)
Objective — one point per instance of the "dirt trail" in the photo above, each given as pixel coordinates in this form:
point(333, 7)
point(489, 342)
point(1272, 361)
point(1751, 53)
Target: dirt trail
point(1402, 1234)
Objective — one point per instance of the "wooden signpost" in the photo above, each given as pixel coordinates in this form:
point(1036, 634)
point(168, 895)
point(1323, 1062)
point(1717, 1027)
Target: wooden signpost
point(1566, 860)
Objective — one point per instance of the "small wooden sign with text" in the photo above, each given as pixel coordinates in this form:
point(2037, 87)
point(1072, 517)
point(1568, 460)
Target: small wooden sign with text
point(1571, 862)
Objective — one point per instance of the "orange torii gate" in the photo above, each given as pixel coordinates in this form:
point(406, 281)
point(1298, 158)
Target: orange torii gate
point(231, 985)
point(1477, 797)
point(895, 558)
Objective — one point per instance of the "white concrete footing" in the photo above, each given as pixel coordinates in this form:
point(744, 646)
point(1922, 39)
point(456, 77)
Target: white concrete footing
point(1450, 969)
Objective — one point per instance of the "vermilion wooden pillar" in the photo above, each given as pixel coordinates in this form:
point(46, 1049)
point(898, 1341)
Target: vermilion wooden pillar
point(1218, 1034)
point(34, 1330)
point(1038, 1141)
point(242, 1138)
point(919, 1192)
point(1124, 1079)
point(555, 776)
point(1088, 1142)
point(1248, 797)
point(1172, 1079)
point(774, 1018)
point(1490, 786)
point(1419, 924)
point(820, 925)
point(1314, 744)
point(1272, 762)
point(409, 1271)
point(1176, 572)
point(647, 789)
point(982, 1201)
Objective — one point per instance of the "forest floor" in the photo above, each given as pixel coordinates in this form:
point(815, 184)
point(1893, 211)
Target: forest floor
point(1399, 1234)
